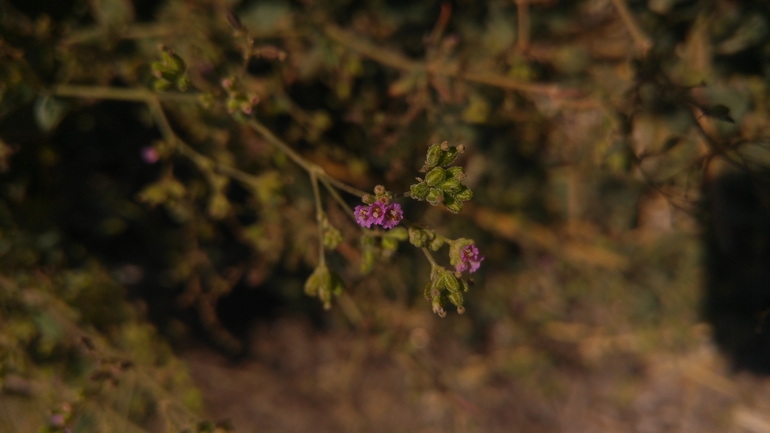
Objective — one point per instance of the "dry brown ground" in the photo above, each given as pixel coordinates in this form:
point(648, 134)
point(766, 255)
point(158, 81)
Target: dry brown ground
point(300, 379)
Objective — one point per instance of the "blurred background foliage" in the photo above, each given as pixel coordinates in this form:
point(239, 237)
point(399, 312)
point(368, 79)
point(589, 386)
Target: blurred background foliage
point(617, 150)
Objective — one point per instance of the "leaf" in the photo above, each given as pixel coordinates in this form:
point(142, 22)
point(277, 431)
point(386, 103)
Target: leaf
point(719, 112)
point(49, 112)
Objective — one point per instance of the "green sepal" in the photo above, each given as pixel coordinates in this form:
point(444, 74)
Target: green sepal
point(419, 191)
point(452, 204)
point(433, 156)
point(435, 196)
point(448, 156)
point(464, 194)
point(435, 176)
point(450, 185)
point(389, 243)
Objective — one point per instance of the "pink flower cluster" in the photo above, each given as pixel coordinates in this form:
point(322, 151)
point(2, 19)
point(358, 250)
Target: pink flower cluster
point(471, 260)
point(378, 214)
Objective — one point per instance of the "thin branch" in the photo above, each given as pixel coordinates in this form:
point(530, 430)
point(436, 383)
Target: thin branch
point(299, 160)
point(522, 12)
point(336, 196)
point(319, 213)
point(641, 40)
point(119, 94)
point(433, 263)
point(397, 61)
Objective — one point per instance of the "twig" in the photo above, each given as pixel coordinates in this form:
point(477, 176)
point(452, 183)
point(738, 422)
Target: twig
point(397, 61)
point(641, 40)
point(522, 9)
point(319, 213)
point(119, 94)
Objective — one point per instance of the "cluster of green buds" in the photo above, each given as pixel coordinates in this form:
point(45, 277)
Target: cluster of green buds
point(442, 183)
point(170, 71)
point(444, 285)
point(237, 99)
point(324, 283)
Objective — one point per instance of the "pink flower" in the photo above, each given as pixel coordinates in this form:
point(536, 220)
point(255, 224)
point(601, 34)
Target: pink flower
point(362, 215)
point(377, 213)
point(470, 259)
point(150, 155)
point(393, 216)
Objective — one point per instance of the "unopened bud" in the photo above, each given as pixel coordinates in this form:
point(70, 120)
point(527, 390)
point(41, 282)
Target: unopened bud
point(435, 176)
point(456, 298)
point(452, 204)
point(433, 156)
point(435, 196)
point(464, 194)
point(419, 191)
point(448, 156)
point(455, 172)
point(450, 185)
point(389, 244)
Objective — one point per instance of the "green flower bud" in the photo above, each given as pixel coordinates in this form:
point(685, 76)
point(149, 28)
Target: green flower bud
point(233, 105)
point(337, 285)
point(158, 69)
point(435, 176)
point(183, 83)
point(464, 194)
point(379, 190)
point(426, 292)
point(464, 285)
point(450, 282)
point(174, 63)
point(433, 156)
point(435, 196)
point(436, 243)
point(455, 172)
point(448, 157)
point(398, 233)
point(418, 237)
point(332, 237)
point(450, 185)
point(219, 207)
point(368, 199)
point(419, 191)
point(161, 85)
point(367, 260)
point(452, 204)
point(389, 243)
point(318, 278)
point(456, 298)
point(367, 241)
point(437, 306)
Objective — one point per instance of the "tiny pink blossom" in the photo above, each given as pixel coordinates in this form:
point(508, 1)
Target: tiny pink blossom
point(362, 214)
point(150, 154)
point(471, 260)
point(377, 213)
point(393, 216)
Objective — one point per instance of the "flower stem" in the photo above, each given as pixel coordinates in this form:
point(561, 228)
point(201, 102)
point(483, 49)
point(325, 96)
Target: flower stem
point(319, 218)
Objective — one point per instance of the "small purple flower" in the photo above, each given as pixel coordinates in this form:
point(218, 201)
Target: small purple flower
point(393, 216)
point(377, 213)
point(470, 259)
point(363, 216)
point(150, 155)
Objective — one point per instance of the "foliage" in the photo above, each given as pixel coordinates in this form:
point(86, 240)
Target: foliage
point(582, 135)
